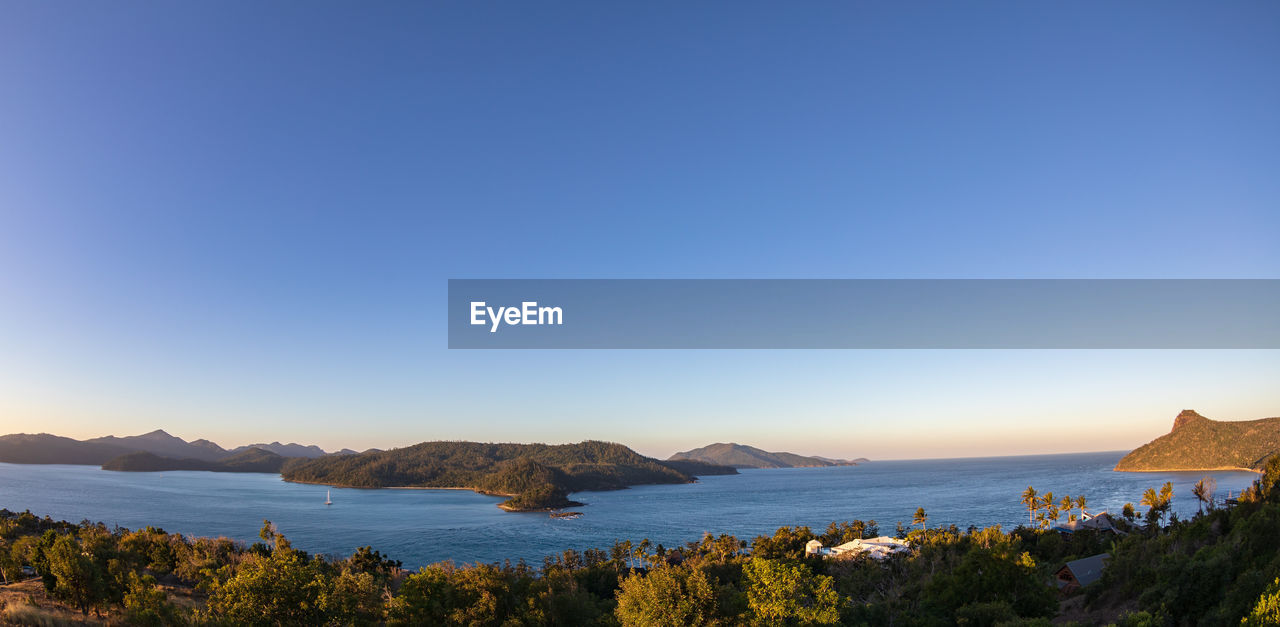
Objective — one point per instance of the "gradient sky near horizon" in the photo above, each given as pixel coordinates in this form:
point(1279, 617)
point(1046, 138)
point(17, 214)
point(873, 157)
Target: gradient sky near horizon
point(235, 220)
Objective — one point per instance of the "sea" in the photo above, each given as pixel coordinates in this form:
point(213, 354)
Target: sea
point(421, 527)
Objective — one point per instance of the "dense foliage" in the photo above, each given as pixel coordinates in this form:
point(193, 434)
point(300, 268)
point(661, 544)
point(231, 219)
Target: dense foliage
point(537, 476)
point(1209, 570)
point(1218, 568)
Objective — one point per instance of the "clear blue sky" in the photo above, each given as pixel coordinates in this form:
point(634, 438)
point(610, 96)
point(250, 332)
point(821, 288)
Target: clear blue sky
point(236, 220)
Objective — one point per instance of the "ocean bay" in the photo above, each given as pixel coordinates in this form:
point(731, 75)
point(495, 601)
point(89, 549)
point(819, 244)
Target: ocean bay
point(424, 526)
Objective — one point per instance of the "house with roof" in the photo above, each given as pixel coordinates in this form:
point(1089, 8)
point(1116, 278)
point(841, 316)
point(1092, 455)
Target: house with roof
point(1080, 573)
point(1098, 522)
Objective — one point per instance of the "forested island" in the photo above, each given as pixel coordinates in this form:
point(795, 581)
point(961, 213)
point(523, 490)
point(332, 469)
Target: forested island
point(535, 477)
point(1220, 567)
point(252, 460)
point(1198, 443)
point(743, 456)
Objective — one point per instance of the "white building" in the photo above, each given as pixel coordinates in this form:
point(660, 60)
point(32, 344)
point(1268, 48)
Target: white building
point(877, 548)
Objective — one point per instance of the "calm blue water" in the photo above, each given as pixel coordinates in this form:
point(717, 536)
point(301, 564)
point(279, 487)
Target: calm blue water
point(424, 526)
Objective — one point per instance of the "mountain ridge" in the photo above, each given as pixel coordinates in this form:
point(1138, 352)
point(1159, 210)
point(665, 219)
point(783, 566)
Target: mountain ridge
point(1197, 443)
point(46, 448)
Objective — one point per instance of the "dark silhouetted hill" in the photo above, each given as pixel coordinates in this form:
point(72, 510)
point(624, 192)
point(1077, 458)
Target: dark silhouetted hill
point(286, 450)
point(252, 460)
point(43, 448)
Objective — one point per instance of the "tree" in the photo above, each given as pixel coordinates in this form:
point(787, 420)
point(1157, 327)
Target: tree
point(1029, 498)
point(993, 575)
point(422, 599)
point(920, 518)
point(788, 542)
point(351, 598)
point(667, 596)
point(1050, 506)
point(147, 604)
point(781, 592)
point(1128, 512)
point(1158, 502)
point(641, 552)
point(281, 587)
point(78, 580)
point(10, 567)
point(1080, 503)
point(1267, 609)
point(1066, 504)
point(1203, 491)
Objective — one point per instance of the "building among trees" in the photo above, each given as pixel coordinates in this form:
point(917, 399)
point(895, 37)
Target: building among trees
point(1080, 573)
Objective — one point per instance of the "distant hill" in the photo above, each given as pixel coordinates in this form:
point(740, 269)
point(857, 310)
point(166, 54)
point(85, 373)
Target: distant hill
point(161, 443)
point(1198, 443)
point(252, 460)
point(290, 450)
point(43, 448)
point(535, 476)
point(742, 456)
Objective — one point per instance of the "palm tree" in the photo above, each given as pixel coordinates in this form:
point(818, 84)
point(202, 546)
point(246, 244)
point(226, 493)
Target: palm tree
point(642, 551)
point(1029, 499)
point(1150, 498)
point(1080, 503)
point(625, 548)
point(920, 518)
point(1158, 503)
point(1203, 489)
point(1065, 504)
point(1047, 502)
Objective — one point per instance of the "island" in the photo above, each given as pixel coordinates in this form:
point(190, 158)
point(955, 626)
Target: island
point(743, 456)
point(252, 460)
point(533, 477)
point(1198, 443)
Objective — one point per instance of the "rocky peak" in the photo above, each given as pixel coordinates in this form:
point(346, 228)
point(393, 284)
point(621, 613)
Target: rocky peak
point(1186, 417)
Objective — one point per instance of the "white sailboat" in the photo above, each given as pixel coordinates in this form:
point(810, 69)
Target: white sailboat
point(328, 500)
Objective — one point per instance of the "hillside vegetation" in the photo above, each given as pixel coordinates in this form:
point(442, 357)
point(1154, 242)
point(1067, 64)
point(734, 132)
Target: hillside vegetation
point(252, 460)
point(536, 476)
point(1198, 443)
point(1221, 567)
point(743, 456)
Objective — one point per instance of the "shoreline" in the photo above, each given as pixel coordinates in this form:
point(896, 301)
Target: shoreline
point(395, 487)
point(501, 505)
point(1220, 469)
